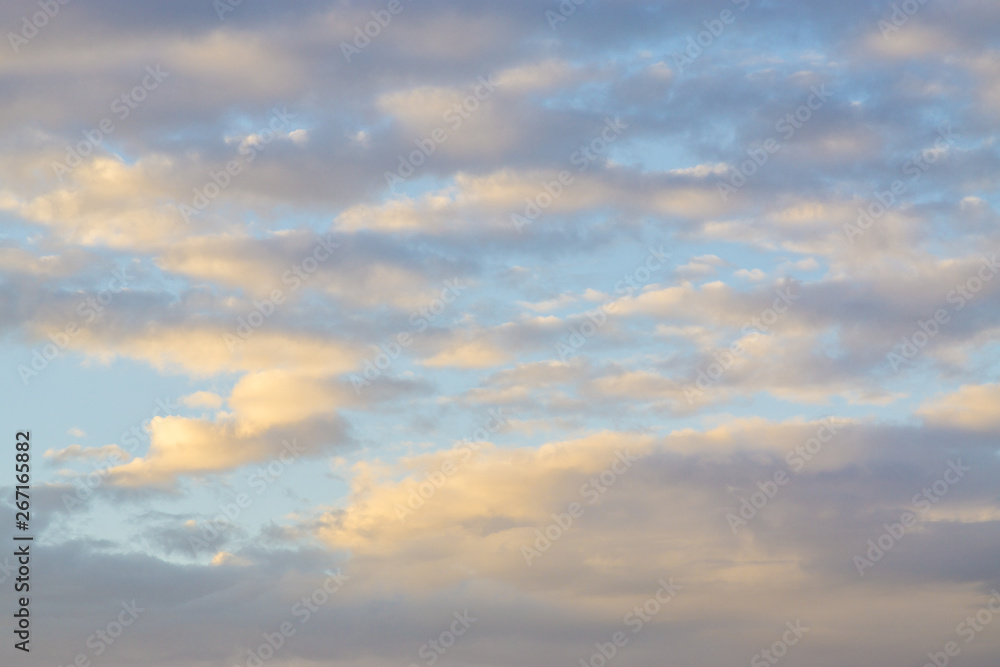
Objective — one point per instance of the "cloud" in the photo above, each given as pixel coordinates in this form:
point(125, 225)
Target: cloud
point(768, 350)
point(971, 408)
point(202, 399)
point(78, 453)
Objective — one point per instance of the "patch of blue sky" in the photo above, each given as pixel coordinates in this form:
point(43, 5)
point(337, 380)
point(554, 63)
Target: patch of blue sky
point(421, 183)
point(14, 228)
point(654, 154)
point(103, 400)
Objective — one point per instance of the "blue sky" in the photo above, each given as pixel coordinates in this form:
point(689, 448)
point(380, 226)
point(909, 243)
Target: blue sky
point(631, 230)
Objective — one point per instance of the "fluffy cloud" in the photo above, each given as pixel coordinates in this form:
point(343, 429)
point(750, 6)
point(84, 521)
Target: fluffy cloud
point(292, 210)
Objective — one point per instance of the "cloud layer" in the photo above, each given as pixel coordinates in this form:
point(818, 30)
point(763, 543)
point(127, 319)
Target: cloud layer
point(524, 313)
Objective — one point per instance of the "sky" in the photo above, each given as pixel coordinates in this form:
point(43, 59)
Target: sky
point(523, 333)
